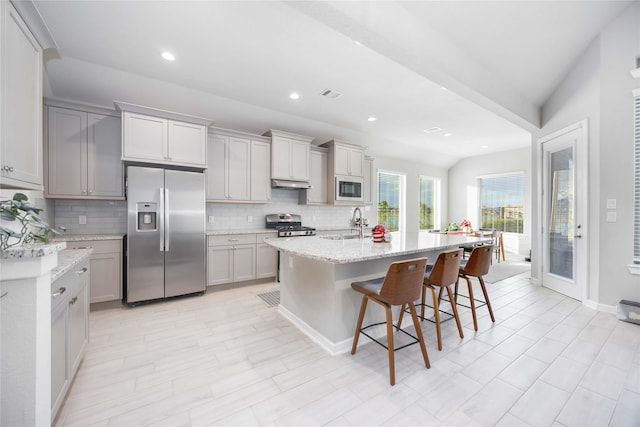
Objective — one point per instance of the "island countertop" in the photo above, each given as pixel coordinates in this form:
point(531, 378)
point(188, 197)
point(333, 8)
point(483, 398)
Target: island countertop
point(335, 250)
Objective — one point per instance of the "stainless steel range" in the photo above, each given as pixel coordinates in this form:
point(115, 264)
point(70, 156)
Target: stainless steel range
point(288, 225)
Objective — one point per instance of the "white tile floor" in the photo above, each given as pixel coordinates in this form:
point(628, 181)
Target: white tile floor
point(227, 359)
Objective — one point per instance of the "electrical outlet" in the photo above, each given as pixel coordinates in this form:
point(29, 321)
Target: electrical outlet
point(211, 219)
point(249, 218)
point(313, 218)
point(82, 220)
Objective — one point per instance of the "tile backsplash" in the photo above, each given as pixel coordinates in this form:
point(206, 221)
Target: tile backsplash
point(106, 217)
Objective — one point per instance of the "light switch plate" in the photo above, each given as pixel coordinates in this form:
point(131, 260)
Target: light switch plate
point(249, 218)
point(612, 203)
point(612, 217)
point(211, 219)
point(82, 220)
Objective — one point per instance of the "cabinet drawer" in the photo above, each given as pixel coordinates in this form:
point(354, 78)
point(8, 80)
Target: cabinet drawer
point(232, 239)
point(260, 237)
point(98, 246)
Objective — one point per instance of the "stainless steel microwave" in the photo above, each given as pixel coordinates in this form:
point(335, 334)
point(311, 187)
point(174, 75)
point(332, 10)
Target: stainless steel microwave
point(349, 188)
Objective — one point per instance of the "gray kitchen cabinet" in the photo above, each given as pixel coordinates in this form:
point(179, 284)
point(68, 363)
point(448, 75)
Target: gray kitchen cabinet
point(370, 181)
point(20, 103)
point(231, 258)
point(317, 194)
point(238, 167)
point(345, 158)
point(69, 329)
point(260, 171)
point(289, 155)
point(83, 155)
point(266, 257)
point(163, 137)
point(106, 268)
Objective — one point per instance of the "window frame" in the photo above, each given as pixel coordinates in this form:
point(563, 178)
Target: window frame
point(522, 173)
point(401, 196)
point(436, 201)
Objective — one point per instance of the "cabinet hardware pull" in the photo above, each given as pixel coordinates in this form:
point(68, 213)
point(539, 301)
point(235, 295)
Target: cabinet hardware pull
point(4, 295)
point(232, 240)
point(84, 247)
point(60, 292)
point(82, 271)
point(73, 300)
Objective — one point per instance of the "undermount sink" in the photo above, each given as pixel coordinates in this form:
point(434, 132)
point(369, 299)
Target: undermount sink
point(343, 237)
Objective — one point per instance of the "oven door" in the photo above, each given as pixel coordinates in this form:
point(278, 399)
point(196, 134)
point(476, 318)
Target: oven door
point(349, 188)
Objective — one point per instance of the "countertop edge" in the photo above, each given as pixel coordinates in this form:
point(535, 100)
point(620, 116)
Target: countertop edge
point(67, 259)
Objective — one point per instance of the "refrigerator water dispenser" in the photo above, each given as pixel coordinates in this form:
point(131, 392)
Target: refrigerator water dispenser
point(147, 216)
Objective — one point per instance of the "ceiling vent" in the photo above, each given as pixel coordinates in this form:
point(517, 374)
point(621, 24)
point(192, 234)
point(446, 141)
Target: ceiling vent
point(331, 94)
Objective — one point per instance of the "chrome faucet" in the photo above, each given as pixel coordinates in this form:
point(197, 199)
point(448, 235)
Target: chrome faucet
point(356, 220)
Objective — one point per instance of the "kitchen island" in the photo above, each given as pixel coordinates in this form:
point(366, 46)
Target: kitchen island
point(316, 275)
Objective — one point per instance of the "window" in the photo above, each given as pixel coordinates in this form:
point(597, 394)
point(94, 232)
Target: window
point(636, 200)
point(502, 202)
point(390, 200)
point(429, 196)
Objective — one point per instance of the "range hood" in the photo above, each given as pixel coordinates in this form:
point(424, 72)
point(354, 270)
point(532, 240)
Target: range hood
point(293, 185)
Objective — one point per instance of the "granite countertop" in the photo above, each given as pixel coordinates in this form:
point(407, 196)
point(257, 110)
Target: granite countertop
point(85, 237)
point(67, 259)
point(240, 231)
point(342, 251)
point(32, 251)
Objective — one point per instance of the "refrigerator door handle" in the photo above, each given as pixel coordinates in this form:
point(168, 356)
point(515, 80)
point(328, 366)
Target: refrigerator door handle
point(161, 219)
point(167, 210)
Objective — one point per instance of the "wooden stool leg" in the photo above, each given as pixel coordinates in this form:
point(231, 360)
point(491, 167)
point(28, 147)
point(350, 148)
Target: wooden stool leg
point(436, 314)
point(363, 307)
point(473, 304)
point(455, 312)
point(486, 297)
point(392, 368)
point(416, 324)
point(424, 290)
point(400, 315)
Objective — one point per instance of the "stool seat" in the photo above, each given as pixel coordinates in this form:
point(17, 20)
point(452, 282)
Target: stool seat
point(400, 286)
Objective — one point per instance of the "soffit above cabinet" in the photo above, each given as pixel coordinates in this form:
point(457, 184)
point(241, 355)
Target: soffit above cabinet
point(141, 109)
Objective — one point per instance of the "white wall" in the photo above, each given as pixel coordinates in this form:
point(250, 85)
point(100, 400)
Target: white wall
point(463, 197)
point(599, 89)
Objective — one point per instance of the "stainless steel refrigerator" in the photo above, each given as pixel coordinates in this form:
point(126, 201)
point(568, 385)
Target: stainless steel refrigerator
point(165, 234)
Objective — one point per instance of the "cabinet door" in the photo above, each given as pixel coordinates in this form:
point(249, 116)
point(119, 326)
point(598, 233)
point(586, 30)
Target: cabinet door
point(356, 162)
point(59, 370)
point(187, 143)
point(369, 180)
point(317, 194)
point(20, 103)
point(144, 137)
point(266, 261)
point(341, 160)
point(244, 263)
point(216, 174)
point(219, 265)
point(260, 171)
point(67, 152)
point(300, 160)
point(105, 173)
point(105, 277)
point(238, 169)
point(78, 334)
point(280, 158)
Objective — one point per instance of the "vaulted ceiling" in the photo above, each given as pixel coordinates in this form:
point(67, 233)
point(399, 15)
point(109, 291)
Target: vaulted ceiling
point(477, 70)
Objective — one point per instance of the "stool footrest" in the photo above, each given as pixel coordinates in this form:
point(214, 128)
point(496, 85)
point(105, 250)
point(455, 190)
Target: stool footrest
point(481, 303)
point(415, 339)
point(451, 316)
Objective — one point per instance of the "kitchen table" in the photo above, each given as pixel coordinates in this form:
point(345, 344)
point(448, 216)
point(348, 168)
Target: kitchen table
point(316, 275)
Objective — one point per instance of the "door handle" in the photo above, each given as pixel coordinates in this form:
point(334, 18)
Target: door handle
point(161, 219)
point(60, 292)
point(167, 238)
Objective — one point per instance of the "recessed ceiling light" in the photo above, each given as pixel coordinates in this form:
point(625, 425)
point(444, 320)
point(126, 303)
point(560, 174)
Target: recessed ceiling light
point(359, 43)
point(372, 119)
point(447, 134)
point(168, 56)
point(294, 95)
point(484, 146)
point(433, 129)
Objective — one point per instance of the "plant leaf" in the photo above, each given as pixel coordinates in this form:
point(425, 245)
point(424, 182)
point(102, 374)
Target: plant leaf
point(20, 197)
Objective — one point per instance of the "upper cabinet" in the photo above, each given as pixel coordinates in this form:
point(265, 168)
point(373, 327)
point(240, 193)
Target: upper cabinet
point(163, 137)
point(369, 181)
point(83, 153)
point(345, 158)
point(237, 167)
point(317, 194)
point(289, 155)
point(20, 103)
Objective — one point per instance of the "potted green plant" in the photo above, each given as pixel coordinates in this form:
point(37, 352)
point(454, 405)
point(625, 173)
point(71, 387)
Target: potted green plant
point(28, 228)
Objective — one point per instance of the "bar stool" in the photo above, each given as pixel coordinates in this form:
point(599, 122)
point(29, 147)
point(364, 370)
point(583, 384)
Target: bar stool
point(477, 266)
point(400, 286)
point(444, 273)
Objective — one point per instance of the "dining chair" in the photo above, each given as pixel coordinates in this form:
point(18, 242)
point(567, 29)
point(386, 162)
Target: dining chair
point(441, 275)
point(476, 266)
point(400, 286)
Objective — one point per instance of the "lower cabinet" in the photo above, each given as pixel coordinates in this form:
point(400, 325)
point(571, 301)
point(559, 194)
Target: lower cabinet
point(239, 257)
point(106, 268)
point(69, 329)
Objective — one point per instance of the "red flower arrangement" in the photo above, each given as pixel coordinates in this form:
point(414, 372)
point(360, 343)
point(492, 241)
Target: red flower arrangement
point(465, 223)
